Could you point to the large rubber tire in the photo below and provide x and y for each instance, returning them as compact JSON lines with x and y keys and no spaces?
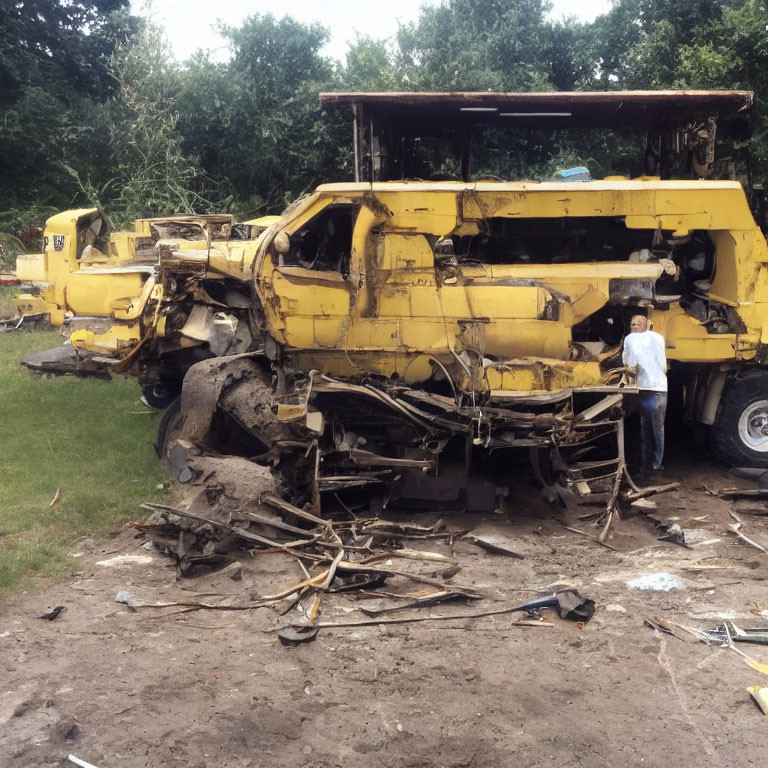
{"x":159,"y":396}
{"x":168,"y":429}
{"x":739,"y":435}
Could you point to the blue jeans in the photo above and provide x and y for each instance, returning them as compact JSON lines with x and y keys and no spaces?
{"x":653,"y":409}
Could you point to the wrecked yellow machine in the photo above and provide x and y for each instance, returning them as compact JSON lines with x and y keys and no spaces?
{"x":86,"y":270}
{"x":93,"y":280}
{"x":393,"y":330}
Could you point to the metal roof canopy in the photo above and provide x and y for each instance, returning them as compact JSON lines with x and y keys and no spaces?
{"x":387,"y":124}
{"x":591,"y":109}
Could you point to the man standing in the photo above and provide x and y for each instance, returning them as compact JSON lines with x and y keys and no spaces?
{"x":644,"y":350}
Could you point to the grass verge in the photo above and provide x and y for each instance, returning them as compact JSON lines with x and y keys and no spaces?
{"x":91,"y":439}
{"x":7,"y":292}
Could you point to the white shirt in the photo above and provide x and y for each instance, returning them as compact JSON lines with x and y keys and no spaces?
{"x":645,"y":349}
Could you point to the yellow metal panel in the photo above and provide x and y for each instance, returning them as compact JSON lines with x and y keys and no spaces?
{"x":523,"y":338}
{"x":725,"y":285}
{"x":30,"y":268}
{"x":93,"y":294}
{"x":404,"y":252}
{"x":117,"y":337}
{"x":430,"y":211}
{"x":687,"y":339}
{"x":310,"y":312}
{"x":27,"y":304}
{"x":542,"y":375}
{"x":304,"y":292}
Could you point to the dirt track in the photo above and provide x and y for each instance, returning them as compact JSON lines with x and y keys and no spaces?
{"x":161,"y":688}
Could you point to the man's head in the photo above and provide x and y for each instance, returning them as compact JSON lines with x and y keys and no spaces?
{"x":638,"y":324}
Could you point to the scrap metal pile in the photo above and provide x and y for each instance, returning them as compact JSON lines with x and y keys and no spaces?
{"x":311,"y":467}
{"x":235,"y":508}
{"x":337,"y":444}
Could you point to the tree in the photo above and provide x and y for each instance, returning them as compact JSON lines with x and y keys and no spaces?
{"x":154,"y":177}
{"x":256,"y":122}
{"x":476,"y":45}
{"x":370,"y":66}
{"x":53,"y":67}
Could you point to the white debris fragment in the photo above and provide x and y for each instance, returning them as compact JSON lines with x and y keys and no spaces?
{"x":125,"y":560}
{"x":614,"y":608}
{"x":656,"y":582}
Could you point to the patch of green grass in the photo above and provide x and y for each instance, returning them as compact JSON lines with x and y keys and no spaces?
{"x":91,"y":439}
{"x":7,"y":292}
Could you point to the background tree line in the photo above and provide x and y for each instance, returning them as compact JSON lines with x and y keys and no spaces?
{"x":93,"y":109}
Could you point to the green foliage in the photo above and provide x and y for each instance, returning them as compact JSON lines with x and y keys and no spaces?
{"x":371,"y":66}
{"x":256,"y":123}
{"x":153,"y":176}
{"x":93,"y":108}
{"x":475,"y":45}
{"x":54,"y":58}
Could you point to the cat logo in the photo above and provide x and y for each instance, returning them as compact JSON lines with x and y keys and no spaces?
{"x":58,"y":242}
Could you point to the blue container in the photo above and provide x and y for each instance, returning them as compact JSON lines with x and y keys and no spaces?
{"x":579,"y":173}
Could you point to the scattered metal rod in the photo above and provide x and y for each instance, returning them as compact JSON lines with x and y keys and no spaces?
{"x":373,"y":607}
{"x":568,"y":601}
{"x":586,"y":535}
{"x":651,"y":490}
{"x":279,"y":524}
{"x":195,"y":606}
{"x":348,"y":567}
{"x":658,"y":626}
{"x":736,"y":528}
{"x":735,"y":493}
{"x":275,"y":501}
{"x":489,"y":545}
{"x":415,"y":619}
{"x":78,"y":761}
{"x":247,"y":535}
{"x":411,"y":554}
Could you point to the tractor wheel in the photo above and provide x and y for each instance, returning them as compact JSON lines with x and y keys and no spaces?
{"x":169,"y":429}
{"x":739,"y":435}
{"x":159,"y":396}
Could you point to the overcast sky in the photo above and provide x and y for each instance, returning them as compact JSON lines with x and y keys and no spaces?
{"x":188,"y":23}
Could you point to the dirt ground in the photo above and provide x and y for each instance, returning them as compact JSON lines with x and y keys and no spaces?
{"x":163,"y":688}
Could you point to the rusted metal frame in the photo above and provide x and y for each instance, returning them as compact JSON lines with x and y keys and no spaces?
{"x":609,"y":401}
{"x":280,"y":525}
{"x":276,"y":501}
{"x":586,"y":440}
{"x":703,"y":99}
{"x":589,"y":479}
{"x":587,"y":425}
{"x":332,"y":385}
{"x":332,"y":482}
{"x":316,"y":500}
{"x":612,"y":507}
{"x":369,"y":459}
{"x":349,"y":567}
{"x":356,"y":109}
{"x":288,"y":548}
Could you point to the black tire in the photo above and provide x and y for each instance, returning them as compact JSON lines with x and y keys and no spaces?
{"x":158,"y":395}
{"x":739,"y":436}
{"x":168,"y":429}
